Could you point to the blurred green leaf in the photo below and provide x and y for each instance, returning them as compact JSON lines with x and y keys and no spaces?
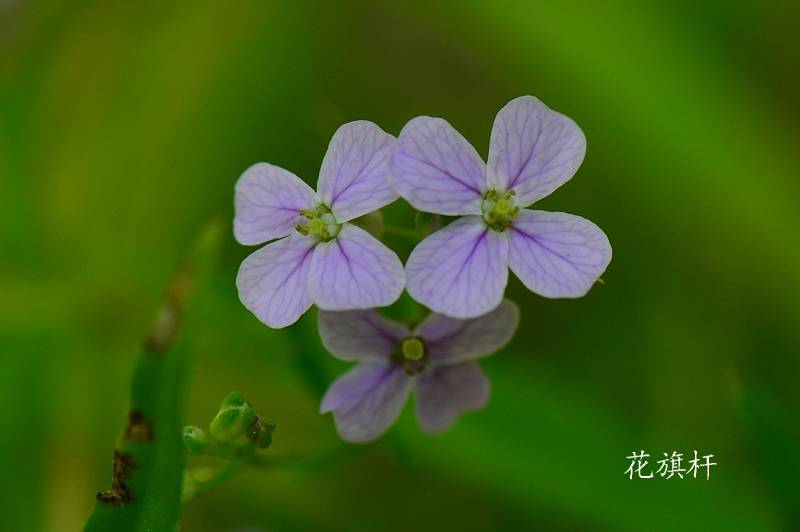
{"x":148,"y":464}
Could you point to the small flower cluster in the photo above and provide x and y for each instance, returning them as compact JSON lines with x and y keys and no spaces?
{"x":317,"y":256}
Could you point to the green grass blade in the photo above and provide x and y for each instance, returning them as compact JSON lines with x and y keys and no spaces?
{"x":145,"y":492}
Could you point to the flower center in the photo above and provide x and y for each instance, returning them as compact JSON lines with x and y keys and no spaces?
{"x":319,"y":223}
{"x":413,"y":349}
{"x":411,"y":355}
{"x":499,"y":210}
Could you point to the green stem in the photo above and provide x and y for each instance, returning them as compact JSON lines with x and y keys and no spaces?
{"x":401,"y":231}
{"x":146,"y":479}
{"x":237,"y":460}
{"x":303,"y":462}
{"x":222,"y":475}
{"x":307,"y":358}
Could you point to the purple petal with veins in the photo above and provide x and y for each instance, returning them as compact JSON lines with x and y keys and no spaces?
{"x":445,"y":392}
{"x":354,"y":179}
{"x":533,"y":150}
{"x":354,"y":271}
{"x":460,"y":270}
{"x":436,"y":170}
{"x":272,"y":281}
{"x":450,"y":340}
{"x":366,"y":400}
{"x":360,"y":334}
{"x":268,"y":200}
{"x":557,"y":254}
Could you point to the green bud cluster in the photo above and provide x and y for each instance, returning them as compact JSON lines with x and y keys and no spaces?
{"x":499,"y":210}
{"x":233,"y":419}
{"x":319,"y":223}
{"x":234,"y":435}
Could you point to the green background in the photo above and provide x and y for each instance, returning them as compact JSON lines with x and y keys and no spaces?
{"x":124,"y":125}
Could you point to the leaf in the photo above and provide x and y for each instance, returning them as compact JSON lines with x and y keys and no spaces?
{"x":145,"y":492}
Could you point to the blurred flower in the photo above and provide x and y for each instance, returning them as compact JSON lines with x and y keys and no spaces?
{"x":324,"y":260}
{"x":462,"y":269}
{"x":436,"y":359}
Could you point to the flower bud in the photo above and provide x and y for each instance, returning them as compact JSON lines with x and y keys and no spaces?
{"x":233,"y":419}
{"x":195,"y":440}
{"x":260,"y":432}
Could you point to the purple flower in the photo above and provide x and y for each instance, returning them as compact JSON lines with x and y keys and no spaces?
{"x":462,"y":269}
{"x":323,"y":260}
{"x":436,"y":359}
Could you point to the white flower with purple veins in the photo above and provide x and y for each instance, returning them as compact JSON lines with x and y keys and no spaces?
{"x":462,"y":269}
{"x":320,"y":258}
{"x":436,"y":359}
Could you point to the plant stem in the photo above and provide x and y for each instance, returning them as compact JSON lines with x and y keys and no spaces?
{"x":145,"y":491}
{"x":222,"y":474}
{"x":401,"y":231}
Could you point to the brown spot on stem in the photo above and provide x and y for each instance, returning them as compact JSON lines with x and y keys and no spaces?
{"x":119,"y":493}
{"x":169,"y":316}
{"x":139,"y":428}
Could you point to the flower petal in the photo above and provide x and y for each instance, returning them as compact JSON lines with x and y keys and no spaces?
{"x":354,"y":178}
{"x":355,"y":271}
{"x":272,"y":281}
{"x":360,"y":334}
{"x":533,"y":150}
{"x":460,"y":270}
{"x":436,"y":170}
{"x":445,"y":392}
{"x":366,"y":400}
{"x":449,"y":340}
{"x":557,"y":254}
{"x":268,"y":200}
